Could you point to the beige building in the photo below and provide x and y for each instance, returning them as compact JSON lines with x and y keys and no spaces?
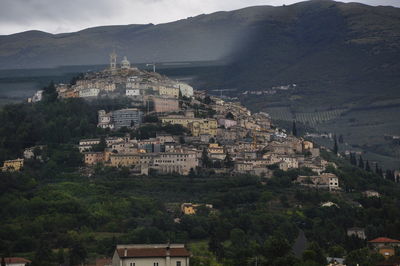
{"x":325,"y":180}
{"x":124,"y":160}
{"x":169,"y":92}
{"x":151,"y":255}
{"x":13,"y":165}
{"x":197,"y":126}
{"x":163,"y":105}
{"x":175,"y":162}
{"x":92,"y":158}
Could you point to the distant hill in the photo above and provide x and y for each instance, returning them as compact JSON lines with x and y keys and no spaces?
{"x":200,"y":38}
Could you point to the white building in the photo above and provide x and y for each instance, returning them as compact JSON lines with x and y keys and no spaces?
{"x":14,"y":261}
{"x":38,"y":96}
{"x":132,"y":92}
{"x":185,"y":89}
{"x":90,"y":92}
{"x":151,"y":255}
{"x":125,"y":64}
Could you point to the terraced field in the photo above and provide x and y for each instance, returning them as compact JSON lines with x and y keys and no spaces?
{"x":309,"y":118}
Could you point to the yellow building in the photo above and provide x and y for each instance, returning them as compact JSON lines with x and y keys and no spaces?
{"x":121,"y":160}
{"x":169,"y":91}
{"x":204,"y":126}
{"x":13,"y":165}
{"x":197,"y":126}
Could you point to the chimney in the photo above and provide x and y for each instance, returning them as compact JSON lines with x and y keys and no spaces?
{"x":126,"y":252}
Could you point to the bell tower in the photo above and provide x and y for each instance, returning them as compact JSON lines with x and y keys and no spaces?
{"x":113,"y":61}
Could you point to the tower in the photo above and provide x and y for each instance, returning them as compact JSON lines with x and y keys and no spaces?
{"x":113,"y":61}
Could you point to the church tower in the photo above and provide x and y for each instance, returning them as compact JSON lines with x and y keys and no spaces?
{"x":113,"y":61}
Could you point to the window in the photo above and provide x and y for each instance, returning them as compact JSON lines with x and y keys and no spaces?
{"x":155,"y":264}
{"x":178,"y":263}
{"x":132,"y":264}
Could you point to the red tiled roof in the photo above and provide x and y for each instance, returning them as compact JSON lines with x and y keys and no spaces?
{"x":153,"y":252}
{"x":104,"y":261}
{"x":16,"y":260}
{"x":384,"y":240}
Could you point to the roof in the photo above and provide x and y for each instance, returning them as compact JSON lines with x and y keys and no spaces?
{"x":143,"y":252}
{"x":384,"y":240}
{"x":16,"y":260}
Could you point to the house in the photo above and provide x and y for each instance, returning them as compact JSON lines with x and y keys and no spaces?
{"x":185,"y":89}
{"x":190,"y":208}
{"x":329,"y":204}
{"x":13,"y":165}
{"x":169,"y":92}
{"x":335,"y":261}
{"x":356,"y":231}
{"x":151,"y":255}
{"x":325,"y":180}
{"x":92,"y":158}
{"x":371,"y":194}
{"x":89,"y":92}
{"x":15,"y":261}
{"x":385,"y":246}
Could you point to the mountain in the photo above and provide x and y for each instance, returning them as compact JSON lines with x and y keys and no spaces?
{"x":200,"y":38}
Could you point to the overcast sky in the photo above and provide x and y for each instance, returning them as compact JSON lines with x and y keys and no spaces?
{"x":57,"y":16}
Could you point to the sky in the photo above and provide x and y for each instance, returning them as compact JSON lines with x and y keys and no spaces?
{"x":57,"y":16}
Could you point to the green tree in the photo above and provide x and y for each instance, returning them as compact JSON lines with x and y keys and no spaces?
{"x":361,"y":162}
{"x":367,"y":167}
{"x":335,"y":145}
{"x":294,"y":129}
{"x":228,"y":161}
{"x":363,"y":257}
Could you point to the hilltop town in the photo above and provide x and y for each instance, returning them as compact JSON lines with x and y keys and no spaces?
{"x":213,"y":134}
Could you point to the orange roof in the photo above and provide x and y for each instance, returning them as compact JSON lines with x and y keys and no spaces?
{"x":16,"y":260}
{"x":152,"y":252}
{"x":104,"y":261}
{"x":384,"y":240}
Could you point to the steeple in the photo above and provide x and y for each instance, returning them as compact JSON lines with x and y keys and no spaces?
{"x":113,"y":61}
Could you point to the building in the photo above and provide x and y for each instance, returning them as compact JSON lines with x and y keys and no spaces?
{"x":226,"y":123}
{"x":170,"y":92}
{"x":371,"y":194}
{"x":15,"y":261}
{"x":356,"y":231}
{"x":175,"y":162}
{"x":87,"y":144}
{"x":92,"y":158}
{"x":124,"y":160}
{"x":104,"y":120}
{"x":89,"y":92}
{"x":185,"y":89}
{"x":126,"y":118}
{"x":132,"y":92}
{"x":125,"y":64}
{"x":190,"y":208}
{"x":203,"y":126}
{"x":37,"y":97}
{"x":151,"y":255}
{"x":325,"y":180}
{"x":163,"y":105}
{"x":13,"y":165}
{"x":385,"y":246}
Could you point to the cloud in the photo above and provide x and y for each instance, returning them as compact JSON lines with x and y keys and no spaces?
{"x":57,"y":16}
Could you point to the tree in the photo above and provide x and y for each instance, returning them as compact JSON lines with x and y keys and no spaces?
{"x":294,"y":129}
{"x":353,"y":159}
{"x":207,"y":100}
{"x":363,"y":257}
{"x":228,"y":162}
{"x":361,"y":162}
{"x":230,"y":116}
{"x":60,"y":256}
{"x":101,"y":146}
{"x":367,"y":167}
{"x":335,"y":146}
{"x":206,"y":162}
